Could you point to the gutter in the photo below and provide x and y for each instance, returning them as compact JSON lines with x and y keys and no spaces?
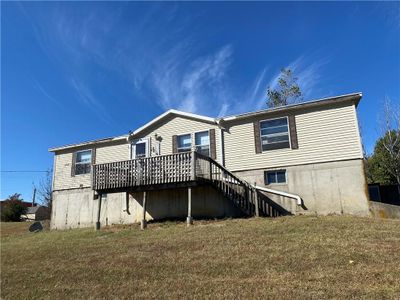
{"x":91,"y":143}
{"x":354,"y":97}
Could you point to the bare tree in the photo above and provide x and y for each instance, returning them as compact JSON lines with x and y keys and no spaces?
{"x":45,"y":189}
{"x":390,"y":130}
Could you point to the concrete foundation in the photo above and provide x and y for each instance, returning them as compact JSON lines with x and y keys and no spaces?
{"x":326,"y":188}
{"x":76,"y":208}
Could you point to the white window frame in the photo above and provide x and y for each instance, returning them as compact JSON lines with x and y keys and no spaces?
{"x":195,"y":145}
{"x":83,"y":163}
{"x":177,"y":143}
{"x":276,"y":177}
{"x":140,"y":141}
{"x":288,"y":127}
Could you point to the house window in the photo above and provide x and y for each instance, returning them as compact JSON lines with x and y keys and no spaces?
{"x":274,"y":134}
{"x":140,"y":150}
{"x":83,"y":162}
{"x":202,"y":142}
{"x":275,"y":177}
{"x":184,"y":143}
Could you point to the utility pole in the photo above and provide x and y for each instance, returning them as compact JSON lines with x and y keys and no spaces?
{"x":33,"y":196}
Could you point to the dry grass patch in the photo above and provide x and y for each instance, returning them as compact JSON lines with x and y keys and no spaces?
{"x":289,"y":257}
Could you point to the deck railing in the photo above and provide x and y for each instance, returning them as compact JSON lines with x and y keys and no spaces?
{"x":177,"y":168}
{"x":144,"y":171}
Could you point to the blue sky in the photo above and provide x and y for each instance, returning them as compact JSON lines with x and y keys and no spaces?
{"x":76,"y":71}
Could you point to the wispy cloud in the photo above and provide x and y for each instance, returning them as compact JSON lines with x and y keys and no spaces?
{"x":196,"y":87}
{"x":155,"y":57}
{"x":309,"y":74}
{"x":256,"y":89}
{"x":307,"y":69}
{"x":86,"y":97}
{"x":40,"y":88}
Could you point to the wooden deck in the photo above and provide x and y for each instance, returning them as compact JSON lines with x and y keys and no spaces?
{"x":174,"y":171}
{"x":149,"y":171}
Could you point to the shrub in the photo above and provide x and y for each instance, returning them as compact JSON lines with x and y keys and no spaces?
{"x":12,"y":209}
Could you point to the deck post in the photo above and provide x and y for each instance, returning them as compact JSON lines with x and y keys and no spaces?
{"x":256,"y":200}
{"x":193,"y":166}
{"x":143,"y":222}
{"x":210,"y":165}
{"x":98,"y":212}
{"x":189,"y":219}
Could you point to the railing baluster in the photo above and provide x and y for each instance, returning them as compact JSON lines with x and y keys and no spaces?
{"x":179,"y":167}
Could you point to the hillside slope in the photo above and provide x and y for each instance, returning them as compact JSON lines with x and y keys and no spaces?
{"x":288,"y":257}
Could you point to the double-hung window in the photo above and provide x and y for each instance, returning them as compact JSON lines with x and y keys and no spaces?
{"x":83,"y":161}
{"x":202,"y":142}
{"x":184,"y":143}
{"x":274,"y":134}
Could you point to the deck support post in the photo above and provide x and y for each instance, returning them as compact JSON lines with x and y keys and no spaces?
{"x":211,"y":174}
{"x":255,"y":198}
{"x":143,"y":222}
{"x":193,"y":166}
{"x":98,"y":212}
{"x":189,"y":219}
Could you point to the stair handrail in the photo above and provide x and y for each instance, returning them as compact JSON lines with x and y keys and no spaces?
{"x":298,"y":199}
{"x":242,"y":181}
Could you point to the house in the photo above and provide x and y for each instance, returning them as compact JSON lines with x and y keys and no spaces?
{"x":36,"y":213}
{"x":298,"y":159}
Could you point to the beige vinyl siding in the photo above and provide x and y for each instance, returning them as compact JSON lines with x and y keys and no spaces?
{"x":120,"y":150}
{"x":62,"y":175}
{"x":112,"y":152}
{"x":323,"y":135}
{"x":179,"y":125}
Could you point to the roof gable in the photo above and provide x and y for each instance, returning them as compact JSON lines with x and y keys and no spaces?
{"x":173,"y":112}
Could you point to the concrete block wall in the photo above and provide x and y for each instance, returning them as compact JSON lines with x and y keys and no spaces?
{"x":77,"y":209}
{"x":326,"y":188}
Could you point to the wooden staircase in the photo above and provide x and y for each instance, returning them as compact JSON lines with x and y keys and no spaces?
{"x":245,"y":196}
{"x":183,"y":170}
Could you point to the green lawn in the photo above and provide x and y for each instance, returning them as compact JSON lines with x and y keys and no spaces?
{"x":288,"y":257}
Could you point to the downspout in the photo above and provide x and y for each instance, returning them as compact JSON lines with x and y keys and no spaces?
{"x":222,"y":144}
{"x":222,"y":147}
{"x":280,"y":193}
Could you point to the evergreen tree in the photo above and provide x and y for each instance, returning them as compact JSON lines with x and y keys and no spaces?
{"x":288,"y":91}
